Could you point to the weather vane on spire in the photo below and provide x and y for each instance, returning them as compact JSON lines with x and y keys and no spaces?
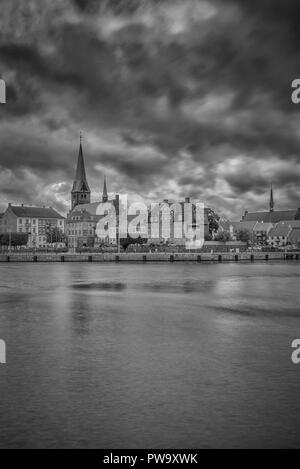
{"x":80,"y":137}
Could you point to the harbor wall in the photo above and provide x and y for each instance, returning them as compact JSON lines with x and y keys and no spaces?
{"x":150,"y":257}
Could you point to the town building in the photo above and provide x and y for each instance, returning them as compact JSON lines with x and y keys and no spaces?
{"x":261,"y":232}
{"x":294,"y":237}
{"x":285,"y":233}
{"x":33,"y":221}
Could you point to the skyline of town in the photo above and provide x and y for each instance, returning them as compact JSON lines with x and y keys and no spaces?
{"x":64,"y":208}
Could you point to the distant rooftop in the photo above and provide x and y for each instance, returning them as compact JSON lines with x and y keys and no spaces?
{"x":270,"y":217}
{"x":280,"y":230}
{"x":34,"y":212}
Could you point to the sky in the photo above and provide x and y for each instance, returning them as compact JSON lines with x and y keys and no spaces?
{"x":174,"y":99}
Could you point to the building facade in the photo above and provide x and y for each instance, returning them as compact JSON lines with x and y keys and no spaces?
{"x":33,"y":221}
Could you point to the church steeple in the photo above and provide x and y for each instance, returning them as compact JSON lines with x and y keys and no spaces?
{"x":81,"y":193}
{"x":271,"y":199}
{"x":104,"y":195}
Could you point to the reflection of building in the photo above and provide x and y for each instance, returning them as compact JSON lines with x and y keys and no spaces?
{"x":34,"y":221}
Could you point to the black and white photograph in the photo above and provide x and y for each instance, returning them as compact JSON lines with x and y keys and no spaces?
{"x":149,"y":227}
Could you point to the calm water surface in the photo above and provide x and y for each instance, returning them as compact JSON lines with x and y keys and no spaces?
{"x":144,"y":356}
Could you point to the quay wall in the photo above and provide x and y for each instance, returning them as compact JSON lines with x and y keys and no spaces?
{"x":150,"y":257}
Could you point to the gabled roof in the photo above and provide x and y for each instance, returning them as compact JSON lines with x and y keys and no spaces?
{"x":90,"y":208}
{"x":281,"y":229}
{"x":84,"y":215}
{"x":34,"y":212}
{"x":261,"y":226}
{"x":294,"y":236}
{"x":244,"y":225}
{"x":292,"y":223}
{"x":270,"y":217}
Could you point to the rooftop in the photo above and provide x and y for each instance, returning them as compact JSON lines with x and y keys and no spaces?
{"x":34,"y":212}
{"x":271,"y":217}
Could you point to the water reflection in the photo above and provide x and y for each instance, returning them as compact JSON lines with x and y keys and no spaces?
{"x":149,"y":355}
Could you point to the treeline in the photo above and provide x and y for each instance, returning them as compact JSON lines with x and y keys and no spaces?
{"x":13,"y":239}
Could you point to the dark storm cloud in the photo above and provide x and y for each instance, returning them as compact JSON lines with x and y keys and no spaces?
{"x":174,"y":97}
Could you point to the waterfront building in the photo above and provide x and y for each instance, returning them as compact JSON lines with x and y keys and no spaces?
{"x":261,"y":232}
{"x":284,"y":233}
{"x":33,"y":221}
{"x":294,"y":237}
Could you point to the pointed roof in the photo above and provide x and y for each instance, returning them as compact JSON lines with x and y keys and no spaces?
{"x":104,"y":195}
{"x":271,"y":200}
{"x":80,"y":183}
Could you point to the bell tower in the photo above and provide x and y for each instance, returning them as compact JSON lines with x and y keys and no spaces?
{"x":81,"y":193}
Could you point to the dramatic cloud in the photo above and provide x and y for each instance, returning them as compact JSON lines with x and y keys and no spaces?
{"x":175,"y":98}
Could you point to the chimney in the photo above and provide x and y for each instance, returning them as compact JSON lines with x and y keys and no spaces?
{"x":187,"y":200}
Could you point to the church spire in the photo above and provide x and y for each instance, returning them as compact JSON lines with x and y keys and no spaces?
{"x":271,"y":199}
{"x":104,"y":195}
{"x":80,"y":193}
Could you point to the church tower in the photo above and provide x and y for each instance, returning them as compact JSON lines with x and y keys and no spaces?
{"x":81,"y":193}
{"x":104,"y":194}
{"x":271,"y":200}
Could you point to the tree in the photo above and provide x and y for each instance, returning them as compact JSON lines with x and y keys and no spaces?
{"x":213,"y":220}
{"x":125,"y":242}
{"x":243,"y":235}
{"x":223,"y":236}
{"x":54,"y":235}
{"x":13,"y":239}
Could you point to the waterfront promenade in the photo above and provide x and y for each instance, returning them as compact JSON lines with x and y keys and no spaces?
{"x":151,"y":257}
